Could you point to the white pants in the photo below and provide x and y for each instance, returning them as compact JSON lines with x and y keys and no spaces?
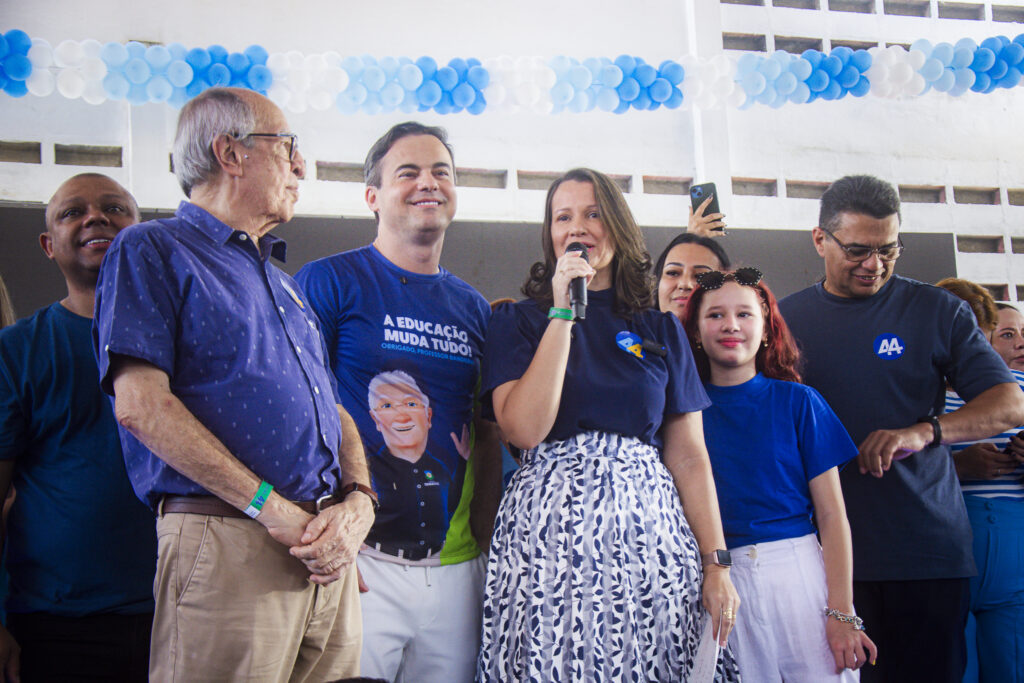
{"x":421,"y":624}
{"x":780,"y":626}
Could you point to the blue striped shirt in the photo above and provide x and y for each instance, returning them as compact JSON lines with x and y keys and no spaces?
{"x":1010,"y":484}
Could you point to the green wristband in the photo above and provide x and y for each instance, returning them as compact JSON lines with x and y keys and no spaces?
{"x":256,"y":504}
{"x":561,"y":313}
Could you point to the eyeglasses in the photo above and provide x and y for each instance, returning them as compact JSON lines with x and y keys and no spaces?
{"x":858,"y":253}
{"x":293,"y":141}
{"x":713,"y":279}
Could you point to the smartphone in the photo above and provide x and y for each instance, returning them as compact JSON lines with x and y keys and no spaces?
{"x":698,"y":193}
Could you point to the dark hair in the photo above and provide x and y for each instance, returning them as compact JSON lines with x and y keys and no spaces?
{"x":776,"y":359}
{"x":864,"y":194}
{"x":371,"y":167}
{"x":708,"y":243}
{"x":980,"y":300}
{"x":631,"y":265}
{"x":1006,"y":307}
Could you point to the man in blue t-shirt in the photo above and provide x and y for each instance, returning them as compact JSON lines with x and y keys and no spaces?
{"x":81,"y":548}
{"x":880,"y":349}
{"x":405,"y":338}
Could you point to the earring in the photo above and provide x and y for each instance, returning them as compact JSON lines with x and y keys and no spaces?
{"x":245,"y":156}
{"x":696,"y":342}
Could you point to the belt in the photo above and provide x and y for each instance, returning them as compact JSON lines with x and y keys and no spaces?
{"x":404,"y":551}
{"x":212,"y":505}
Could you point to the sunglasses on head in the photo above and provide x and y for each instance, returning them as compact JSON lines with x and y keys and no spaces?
{"x":713,"y":279}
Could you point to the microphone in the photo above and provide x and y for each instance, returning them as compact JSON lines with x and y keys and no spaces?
{"x":578,"y":285}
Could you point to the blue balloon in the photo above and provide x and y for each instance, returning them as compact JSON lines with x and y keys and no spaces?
{"x":993,"y":44}
{"x":18,"y":43}
{"x":158,"y":57}
{"x":580,"y":102}
{"x":179,"y":73}
{"x":218,"y":53}
{"x":445,"y":105}
{"x":922,"y":45}
{"x":579,"y":77}
{"x":946,"y":81}
{"x":645,"y":75}
{"x":983,"y":60}
{"x":257,"y":54}
{"x":218,"y":75}
{"x":137,"y":94}
{"x":981,"y":82}
{"x":1012,"y":54}
{"x":832,"y":65}
{"x":611,"y":76}
{"x":238,"y":63}
{"x":964,"y":78}
{"x":660,"y":90}
{"x":354,"y":95}
{"x":199,"y":59}
{"x":770,"y":69}
{"x":159,"y":89}
{"x":560,"y":65}
{"x":16,"y":88}
{"x":137,"y":71}
{"x":429,"y":94}
{"x":115,"y":86}
{"x":5,"y":48}
{"x":178,"y":98}
{"x":1011,"y":79}
{"x":843,"y":53}
{"x":998,"y":70}
{"x":1019,"y":39}
{"x":17,"y":66}
{"x":479,"y":104}
{"x":353,"y":66}
{"x":114,"y":55}
{"x":460,"y":66}
{"x":753,"y":83}
{"x":478,"y":77}
{"x":766,"y":96}
{"x":931,"y":70}
{"x":675,"y":100}
{"x":626,"y":63}
{"x":409,"y":103}
{"x":833,"y":92}
{"x":447,"y":78}
{"x":748,"y":61}
{"x":962,"y":58}
{"x":390,"y":66}
{"x":944,"y":53}
{"x":607,"y":99}
{"x":622,"y":108}
{"x":3,"y":78}
{"x":463,"y":95}
{"x":197,"y":86}
{"x":849,"y":76}
{"x":801,"y":94}
{"x":391,"y":95}
{"x":368,"y":60}
{"x":178,"y":52}
{"x":259,"y":77}
{"x":862,"y":60}
{"x":814,"y":57}
{"x":801,"y":68}
{"x":641,"y":102}
{"x":136,"y":50}
{"x":594,"y":66}
{"x":673,"y":72}
{"x":410,"y":77}
{"x":862,"y":87}
{"x":628,"y":89}
{"x":428,"y":67}
{"x":785,"y":83}
{"x":562,"y":93}
{"x":818,"y":81}
{"x":372,"y":104}
{"x":374,"y":78}
{"x":965,"y":43}
{"x":653,"y":105}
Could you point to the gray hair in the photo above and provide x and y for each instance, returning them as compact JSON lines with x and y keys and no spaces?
{"x":204,"y":118}
{"x":393,"y":377}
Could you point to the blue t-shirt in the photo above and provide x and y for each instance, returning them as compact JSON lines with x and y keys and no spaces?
{"x":606,"y":388}
{"x":767,"y":439}
{"x":79,"y":541}
{"x":241,"y":348}
{"x":881,"y":362}
{"x":406,"y":329}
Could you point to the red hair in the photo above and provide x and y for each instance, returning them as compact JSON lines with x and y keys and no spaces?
{"x":777,"y":359}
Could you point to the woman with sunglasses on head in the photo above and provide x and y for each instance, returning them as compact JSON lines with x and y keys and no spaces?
{"x":775,"y":447}
{"x":594,"y":572}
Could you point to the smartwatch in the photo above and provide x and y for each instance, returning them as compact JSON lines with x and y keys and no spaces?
{"x":720,"y":557}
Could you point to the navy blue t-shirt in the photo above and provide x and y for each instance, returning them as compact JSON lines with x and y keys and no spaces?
{"x":767,"y":440}
{"x":606,"y":388}
{"x":79,"y":541}
{"x":882,"y":362}
{"x":405,"y":349}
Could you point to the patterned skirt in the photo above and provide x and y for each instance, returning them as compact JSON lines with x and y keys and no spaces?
{"x":594,"y":574}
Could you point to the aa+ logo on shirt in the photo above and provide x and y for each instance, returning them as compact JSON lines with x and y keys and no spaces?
{"x":889,"y":346}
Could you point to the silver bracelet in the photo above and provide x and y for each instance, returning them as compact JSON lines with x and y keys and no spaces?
{"x":852,"y":619}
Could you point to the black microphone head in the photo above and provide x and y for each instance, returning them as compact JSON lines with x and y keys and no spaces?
{"x":580,"y":247}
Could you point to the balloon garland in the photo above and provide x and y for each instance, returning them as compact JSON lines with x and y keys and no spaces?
{"x":137,"y":73}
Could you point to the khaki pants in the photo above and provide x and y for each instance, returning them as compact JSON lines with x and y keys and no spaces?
{"x":233,"y":605}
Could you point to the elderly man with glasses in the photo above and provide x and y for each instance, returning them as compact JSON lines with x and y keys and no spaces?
{"x":880,"y":348}
{"x":229,"y":417}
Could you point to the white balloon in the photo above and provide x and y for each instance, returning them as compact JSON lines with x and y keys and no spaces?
{"x":916,"y":85}
{"x":901,"y":73}
{"x":70,"y":83}
{"x":692,"y":88}
{"x":278,"y":63}
{"x":42,"y":41}
{"x":296,"y":60}
{"x":736,"y":97}
{"x":40,"y":82}
{"x":706,"y":100}
{"x":41,"y":56}
{"x":523,"y":65}
{"x":279,"y":94}
{"x":93,"y":69}
{"x":94,"y":93}
{"x":68,"y":53}
{"x":91,"y":48}
{"x":723,"y":87}
{"x":297,"y":103}
{"x":544,"y":106}
{"x":316,"y":63}
{"x":332,"y":58}
{"x":299,"y":80}
{"x":546,"y":77}
{"x":495,"y":94}
{"x":881,"y":89}
{"x":527,"y":94}
{"x":507,"y":63}
{"x":722,"y":64}
{"x":916,"y":59}
{"x":492,"y":64}
{"x":335,"y":79}
{"x":319,"y":99}
{"x":878,"y":73}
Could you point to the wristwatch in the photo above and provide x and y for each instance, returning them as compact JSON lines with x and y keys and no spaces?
{"x":344,"y":491}
{"x":936,"y":429}
{"x":720,"y":557}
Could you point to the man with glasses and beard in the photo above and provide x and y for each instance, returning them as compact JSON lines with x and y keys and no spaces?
{"x":879,"y":348}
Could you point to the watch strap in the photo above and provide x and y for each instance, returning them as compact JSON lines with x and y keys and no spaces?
{"x":345,"y":490}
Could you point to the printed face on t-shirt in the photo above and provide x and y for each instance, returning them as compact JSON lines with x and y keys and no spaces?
{"x":403,"y":419}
